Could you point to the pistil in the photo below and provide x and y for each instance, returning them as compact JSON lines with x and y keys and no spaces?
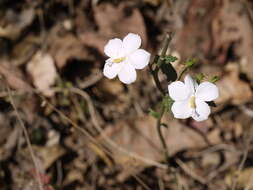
{"x":192,"y":102}
{"x":118,"y":60}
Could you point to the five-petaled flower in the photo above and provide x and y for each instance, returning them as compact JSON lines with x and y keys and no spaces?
{"x":190,"y":98}
{"x":125,"y":57}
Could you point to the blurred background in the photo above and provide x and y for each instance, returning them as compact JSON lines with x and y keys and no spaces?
{"x":63,"y":125}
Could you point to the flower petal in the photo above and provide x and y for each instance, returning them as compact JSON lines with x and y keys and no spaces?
{"x":202,"y":111}
{"x":112,"y":69}
{"x":181,"y":109}
{"x":131,"y":43}
{"x":127,"y":74}
{"x":190,"y":83}
{"x":178,"y":91}
{"x":207,"y":91}
{"x":139,"y":58}
{"x":113,"y":48}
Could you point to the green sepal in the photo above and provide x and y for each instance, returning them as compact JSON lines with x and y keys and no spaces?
{"x":214,"y":79}
{"x":190,"y":62}
{"x":154,"y":113}
{"x":199,"y":77}
{"x":211,"y":103}
{"x":167,"y":103}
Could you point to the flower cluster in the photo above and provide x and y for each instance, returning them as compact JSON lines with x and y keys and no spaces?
{"x":190,"y":98}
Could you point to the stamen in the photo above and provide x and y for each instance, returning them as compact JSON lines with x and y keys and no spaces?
{"x":118,"y":60}
{"x":192,"y":102}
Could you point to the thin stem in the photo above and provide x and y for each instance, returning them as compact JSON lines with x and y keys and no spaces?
{"x":29,"y":144}
{"x":158,"y":61}
{"x":156,"y":79}
{"x":167,"y":40}
{"x":181,"y":74}
{"x":161,"y":137}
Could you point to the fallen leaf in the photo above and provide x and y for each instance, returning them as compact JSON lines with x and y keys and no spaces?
{"x":192,"y":33}
{"x":140,"y":136}
{"x":49,"y":154}
{"x":13,"y":76}
{"x":124,"y":19}
{"x":65,"y":48}
{"x":12,"y":24}
{"x":232,"y":27}
{"x":231,"y":87}
{"x":152,"y":2}
{"x":43,"y":72}
{"x":244,"y":179}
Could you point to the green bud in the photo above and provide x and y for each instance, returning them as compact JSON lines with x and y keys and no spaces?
{"x":154,"y":113}
{"x":214,"y":79}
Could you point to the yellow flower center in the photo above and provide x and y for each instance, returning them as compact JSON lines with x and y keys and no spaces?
{"x":192,"y":102}
{"x":118,"y":60}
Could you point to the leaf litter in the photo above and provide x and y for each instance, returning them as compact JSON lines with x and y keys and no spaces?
{"x":41,"y":41}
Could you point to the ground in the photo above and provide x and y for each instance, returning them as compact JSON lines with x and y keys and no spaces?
{"x":66,"y":126}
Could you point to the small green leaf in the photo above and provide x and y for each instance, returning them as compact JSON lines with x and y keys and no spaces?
{"x":170,"y":59}
{"x":154,"y":113}
{"x":199,"y":77}
{"x":190,"y":62}
{"x":169,"y":71}
{"x":214,"y":79}
{"x":212,"y":104}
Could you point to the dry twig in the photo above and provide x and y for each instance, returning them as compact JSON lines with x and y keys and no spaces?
{"x":37,"y":170}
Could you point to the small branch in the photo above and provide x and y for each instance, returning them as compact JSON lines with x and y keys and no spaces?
{"x":37,"y":170}
{"x":191,"y":173}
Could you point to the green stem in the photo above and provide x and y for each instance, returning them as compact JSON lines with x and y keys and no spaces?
{"x":167,"y":40}
{"x":156,"y":79}
{"x":154,"y":71}
{"x":161,"y":137}
{"x":181,"y":74}
{"x":158,"y":62}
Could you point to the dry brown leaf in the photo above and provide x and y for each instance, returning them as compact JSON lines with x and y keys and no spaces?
{"x":43,"y":72}
{"x":49,"y":154}
{"x":14,"y":23}
{"x":73,"y":175}
{"x":233,"y":25}
{"x":114,"y":22}
{"x":64,"y":48}
{"x":13,"y":76}
{"x":244,"y":178}
{"x":232,"y":88}
{"x":140,"y":136}
{"x":152,"y":2}
{"x":194,"y":40}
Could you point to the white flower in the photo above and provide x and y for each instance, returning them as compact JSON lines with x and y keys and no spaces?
{"x":125,"y":57}
{"x":190,"y":98}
